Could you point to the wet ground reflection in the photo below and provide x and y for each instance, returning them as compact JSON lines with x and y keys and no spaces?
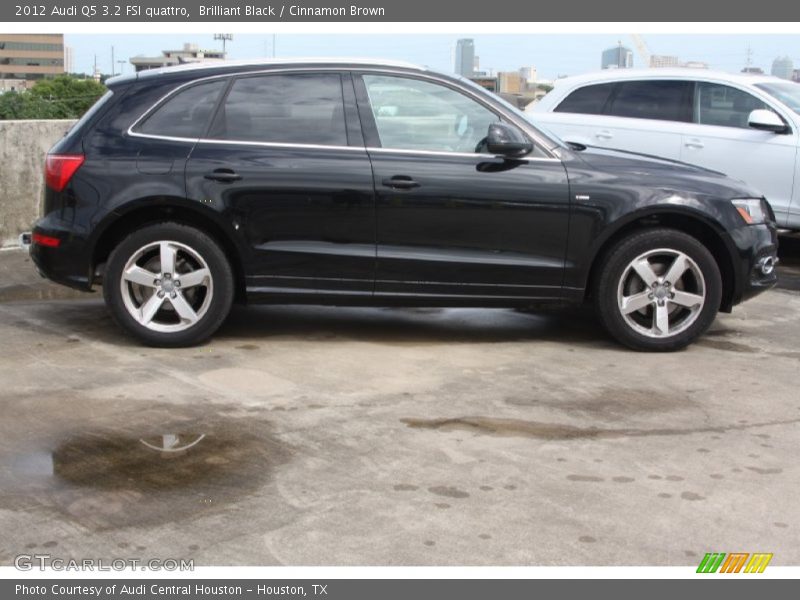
{"x":132,"y":476}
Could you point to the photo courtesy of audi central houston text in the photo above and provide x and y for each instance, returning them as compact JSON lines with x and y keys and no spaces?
{"x":187,"y":189}
{"x":487,"y":304}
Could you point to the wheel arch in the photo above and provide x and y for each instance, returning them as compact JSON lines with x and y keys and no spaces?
{"x":148,"y":211}
{"x":690,"y":222}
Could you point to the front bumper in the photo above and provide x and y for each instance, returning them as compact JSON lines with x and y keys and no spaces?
{"x":755,"y":254}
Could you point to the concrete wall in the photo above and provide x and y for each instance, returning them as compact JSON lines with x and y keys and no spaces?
{"x":23,"y":145}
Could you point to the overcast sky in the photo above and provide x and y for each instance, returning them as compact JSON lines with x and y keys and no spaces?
{"x":553,"y":55}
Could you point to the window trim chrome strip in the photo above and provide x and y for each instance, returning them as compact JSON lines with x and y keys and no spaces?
{"x":521,"y":123}
{"x":288,"y":145}
{"x":363,"y":149}
{"x":460,"y":154}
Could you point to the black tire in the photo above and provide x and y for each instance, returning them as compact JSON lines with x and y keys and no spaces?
{"x":215,"y":295}
{"x":615,"y":265}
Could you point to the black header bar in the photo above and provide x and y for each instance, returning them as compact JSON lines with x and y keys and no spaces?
{"x":476,"y":11}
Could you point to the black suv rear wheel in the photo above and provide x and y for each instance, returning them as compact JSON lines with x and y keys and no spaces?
{"x":658,"y":290}
{"x":169,"y":285}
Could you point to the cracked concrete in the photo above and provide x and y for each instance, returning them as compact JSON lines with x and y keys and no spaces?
{"x":343,"y":436}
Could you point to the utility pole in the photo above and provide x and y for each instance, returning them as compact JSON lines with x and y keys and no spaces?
{"x":225,"y":37}
{"x":748,"y":58}
{"x":274,"y":42}
{"x":113,"y":67}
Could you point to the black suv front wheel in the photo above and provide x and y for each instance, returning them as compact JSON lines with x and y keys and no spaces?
{"x":169,"y":285}
{"x":658,"y":290}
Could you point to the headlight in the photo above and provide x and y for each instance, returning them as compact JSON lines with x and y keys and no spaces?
{"x":752,"y":210}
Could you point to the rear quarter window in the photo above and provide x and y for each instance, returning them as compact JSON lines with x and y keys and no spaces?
{"x":186,"y":113}
{"x":588,"y":100}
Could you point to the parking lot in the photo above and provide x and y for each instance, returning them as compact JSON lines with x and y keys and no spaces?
{"x":344,"y":436}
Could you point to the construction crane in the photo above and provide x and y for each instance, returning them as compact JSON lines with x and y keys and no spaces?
{"x":641,"y":48}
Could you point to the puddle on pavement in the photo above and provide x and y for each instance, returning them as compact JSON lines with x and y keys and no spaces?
{"x":606,"y":402}
{"x":559,"y":431}
{"x":142,"y":474}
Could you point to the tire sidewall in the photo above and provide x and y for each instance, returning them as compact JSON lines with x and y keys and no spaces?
{"x":201,"y":243}
{"x":615,"y":265}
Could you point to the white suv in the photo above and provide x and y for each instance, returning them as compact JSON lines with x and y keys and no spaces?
{"x":746,"y":126}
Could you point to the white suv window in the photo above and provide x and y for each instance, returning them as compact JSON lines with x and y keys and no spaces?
{"x":664,"y":100}
{"x":723,"y":105}
{"x":588,"y":100}
{"x":411,"y":114}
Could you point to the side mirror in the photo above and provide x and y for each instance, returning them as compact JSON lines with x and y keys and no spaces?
{"x":766,"y":120}
{"x":506,"y":140}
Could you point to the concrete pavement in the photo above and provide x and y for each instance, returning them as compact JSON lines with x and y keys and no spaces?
{"x":343,"y":436}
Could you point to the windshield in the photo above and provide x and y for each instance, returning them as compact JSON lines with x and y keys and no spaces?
{"x":788,"y":93}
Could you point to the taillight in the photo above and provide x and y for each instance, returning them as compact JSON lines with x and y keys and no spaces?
{"x":59,"y":169}
{"x":45,"y":240}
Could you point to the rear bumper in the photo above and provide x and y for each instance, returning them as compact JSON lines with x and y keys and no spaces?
{"x":68,"y":264}
{"x":755,"y":253}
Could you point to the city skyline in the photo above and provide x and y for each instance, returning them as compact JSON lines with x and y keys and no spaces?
{"x":553,"y":55}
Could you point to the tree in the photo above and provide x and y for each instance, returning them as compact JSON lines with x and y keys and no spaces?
{"x":63,"y":97}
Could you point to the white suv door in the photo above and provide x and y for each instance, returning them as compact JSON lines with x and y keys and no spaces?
{"x":721,"y":139}
{"x":644,"y":116}
{"x":634,"y":115}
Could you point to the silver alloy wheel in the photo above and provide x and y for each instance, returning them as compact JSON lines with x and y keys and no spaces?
{"x":661,"y":293}
{"x":166,"y":286}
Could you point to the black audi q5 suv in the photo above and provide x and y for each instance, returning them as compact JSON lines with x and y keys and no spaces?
{"x":362,"y":183}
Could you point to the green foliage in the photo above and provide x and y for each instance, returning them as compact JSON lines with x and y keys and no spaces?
{"x":64,"y":97}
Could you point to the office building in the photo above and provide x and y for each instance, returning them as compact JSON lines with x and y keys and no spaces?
{"x":618,"y":57}
{"x":528,"y":75}
{"x":510,"y":82}
{"x":69,"y":59}
{"x":465,"y":57}
{"x":489,"y":83}
{"x":190,"y":53}
{"x":664,"y":61}
{"x":26,"y":58}
{"x":782,"y":67}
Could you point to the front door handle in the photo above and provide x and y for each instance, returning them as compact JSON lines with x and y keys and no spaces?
{"x":400,"y":182}
{"x":223,"y":175}
{"x":694,"y":143}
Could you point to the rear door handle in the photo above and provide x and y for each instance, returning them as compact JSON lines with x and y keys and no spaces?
{"x":694,"y":143}
{"x":604,"y":135}
{"x":400,"y":182}
{"x":223,"y":175}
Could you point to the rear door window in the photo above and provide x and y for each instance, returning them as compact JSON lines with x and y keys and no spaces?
{"x":186,"y":113}
{"x":297,"y":108}
{"x":588,"y":100}
{"x":664,"y":100}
